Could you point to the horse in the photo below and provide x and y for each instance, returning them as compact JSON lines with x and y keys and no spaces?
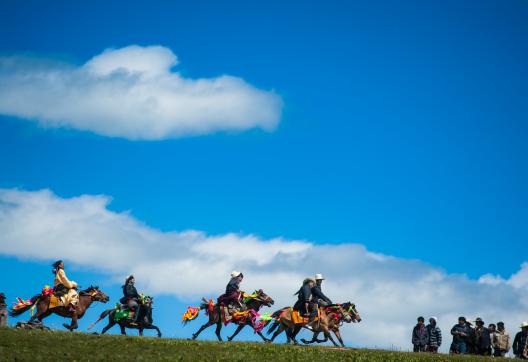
{"x":42,"y":303}
{"x":144,"y":319}
{"x":255,"y":302}
{"x":283,"y":322}
{"x":349,"y":315}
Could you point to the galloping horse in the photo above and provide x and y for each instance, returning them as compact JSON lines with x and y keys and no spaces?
{"x":42,"y":302}
{"x":144,"y":319}
{"x":254,"y":303}
{"x":325,"y":322}
{"x":349,"y":315}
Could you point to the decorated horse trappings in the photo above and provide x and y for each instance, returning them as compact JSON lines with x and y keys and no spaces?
{"x":48,"y":302}
{"x":125,"y":318}
{"x":220,"y":314}
{"x":328,"y":319}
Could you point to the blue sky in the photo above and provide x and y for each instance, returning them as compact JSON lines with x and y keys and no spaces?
{"x":403,"y":128}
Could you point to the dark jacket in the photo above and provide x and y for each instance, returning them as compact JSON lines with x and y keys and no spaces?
{"x":233,"y":285}
{"x":304,"y":295}
{"x":317,"y":294}
{"x":519,"y":343}
{"x":482,"y":339}
{"x":129,"y":292}
{"x":420,"y":337}
{"x":461,"y":333}
{"x":435,"y":336}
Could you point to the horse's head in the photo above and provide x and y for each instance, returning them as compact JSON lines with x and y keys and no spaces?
{"x":261,"y":298}
{"x":147,"y":300}
{"x":96,"y":294}
{"x":350,"y":313}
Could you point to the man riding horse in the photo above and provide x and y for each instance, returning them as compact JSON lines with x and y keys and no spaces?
{"x":317,"y":294}
{"x":233,"y":294}
{"x":64,"y":288}
{"x":131,"y":297}
{"x":305,"y":305}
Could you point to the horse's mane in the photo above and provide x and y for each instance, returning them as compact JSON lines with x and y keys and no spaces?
{"x":87,"y":291}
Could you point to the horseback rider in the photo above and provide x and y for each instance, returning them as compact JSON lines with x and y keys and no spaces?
{"x":233,"y":294}
{"x":304,"y":305}
{"x":131,"y":297}
{"x":64,"y":288}
{"x":317,"y":294}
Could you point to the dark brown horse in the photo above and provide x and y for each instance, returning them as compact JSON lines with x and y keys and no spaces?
{"x":144,"y":319}
{"x":86,"y":298}
{"x":254,"y":303}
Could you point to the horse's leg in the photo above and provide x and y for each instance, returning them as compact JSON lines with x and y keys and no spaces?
{"x":338,"y":335}
{"x":110,"y":324}
{"x":140,"y":331}
{"x":41,"y":312}
{"x":277,"y":332}
{"x":151,"y":326}
{"x":123,"y":331}
{"x":313,"y":340}
{"x":239,"y":328}
{"x":329,"y":336}
{"x":218,"y":329}
{"x":73,"y":325}
{"x":296,"y":330}
{"x":263,"y":337}
{"x":206,"y":325}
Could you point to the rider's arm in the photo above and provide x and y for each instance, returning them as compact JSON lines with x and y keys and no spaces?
{"x":63,"y":279}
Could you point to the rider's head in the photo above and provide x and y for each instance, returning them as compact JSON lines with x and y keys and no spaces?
{"x":59,"y":264}
{"x":130,"y":280}
{"x":237,"y":274}
{"x":319,"y":279}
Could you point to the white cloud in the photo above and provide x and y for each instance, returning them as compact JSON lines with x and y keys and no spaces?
{"x":389,"y":292}
{"x":132,"y":93}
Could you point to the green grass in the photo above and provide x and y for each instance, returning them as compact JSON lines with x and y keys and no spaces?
{"x":19,"y":345}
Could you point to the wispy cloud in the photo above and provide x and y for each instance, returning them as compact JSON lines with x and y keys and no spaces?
{"x":132,"y":93}
{"x":390,"y":292}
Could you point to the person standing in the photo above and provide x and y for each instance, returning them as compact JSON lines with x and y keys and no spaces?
{"x":461,"y":333}
{"x":520,"y":343}
{"x":420,"y":336}
{"x":482,"y":338}
{"x":435,"y":335}
{"x":501,"y":341}
{"x":3,"y":311}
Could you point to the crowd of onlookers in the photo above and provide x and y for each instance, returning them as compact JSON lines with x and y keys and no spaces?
{"x":478,"y":339}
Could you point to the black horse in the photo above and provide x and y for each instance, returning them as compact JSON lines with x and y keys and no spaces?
{"x":143,"y":321}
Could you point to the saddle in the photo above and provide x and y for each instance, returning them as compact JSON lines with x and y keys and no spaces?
{"x":299,"y":319}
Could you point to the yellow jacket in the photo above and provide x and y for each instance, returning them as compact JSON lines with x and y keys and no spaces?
{"x":61,"y":278}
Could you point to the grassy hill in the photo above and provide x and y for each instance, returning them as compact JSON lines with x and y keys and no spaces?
{"x":19,"y":345}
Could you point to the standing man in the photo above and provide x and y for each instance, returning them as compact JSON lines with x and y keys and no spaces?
{"x":317,"y":293}
{"x":435,"y":335}
{"x":420,"y":336}
{"x":461,"y":333}
{"x":3,"y":311}
{"x":501,"y":341}
{"x":482,"y":338}
{"x":520,"y":343}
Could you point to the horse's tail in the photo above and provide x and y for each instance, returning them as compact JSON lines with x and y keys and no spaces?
{"x":23,"y":306}
{"x":191,"y":314}
{"x":101,"y":317}
{"x":276,"y":322}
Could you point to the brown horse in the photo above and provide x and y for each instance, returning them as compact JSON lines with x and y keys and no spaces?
{"x":254,"y":303}
{"x":325,"y":322}
{"x":86,"y":298}
{"x":349,"y":315}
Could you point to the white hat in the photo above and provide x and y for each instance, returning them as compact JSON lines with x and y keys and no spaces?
{"x":524,"y":324}
{"x":235,"y":273}
{"x":319,"y":277}
{"x":435,"y":319}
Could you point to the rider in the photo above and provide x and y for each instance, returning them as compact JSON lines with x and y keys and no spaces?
{"x":317,"y":294}
{"x":64,"y":287}
{"x":304,"y":304}
{"x":232,"y":294}
{"x":131,"y":297}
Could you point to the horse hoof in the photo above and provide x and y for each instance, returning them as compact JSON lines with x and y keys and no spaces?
{"x":304,"y":341}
